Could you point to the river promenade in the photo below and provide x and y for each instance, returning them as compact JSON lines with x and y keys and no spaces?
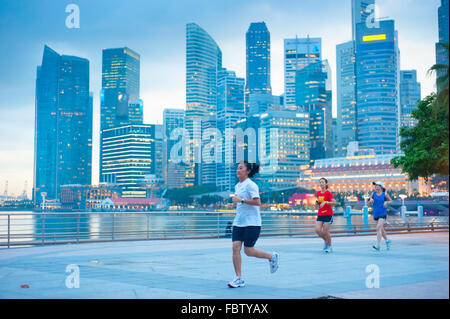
{"x":417,"y":266}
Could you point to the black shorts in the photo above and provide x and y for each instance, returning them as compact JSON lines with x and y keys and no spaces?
{"x":249,"y":234}
{"x":327,"y":219}
{"x":383,"y":217}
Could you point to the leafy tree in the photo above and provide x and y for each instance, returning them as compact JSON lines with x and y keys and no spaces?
{"x":426,"y":144}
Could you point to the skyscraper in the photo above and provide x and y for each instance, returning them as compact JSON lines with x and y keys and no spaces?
{"x":174,"y":173}
{"x":313,"y":98}
{"x":230,"y":109}
{"x":120,"y":86}
{"x":298,"y":53}
{"x":258,"y":60}
{"x":441,"y":54}
{"x":129,"y":154}
{"x":63,"y":124}
{"x":409,"y":96}
{"x":203,"y":60}
{"x":119,"y":100}
{"x":377,"y":87}
{"x":346,"y":99}
{"x":361,"y":10}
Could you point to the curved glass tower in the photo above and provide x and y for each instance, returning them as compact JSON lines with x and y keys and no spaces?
{"x":203,"y":61}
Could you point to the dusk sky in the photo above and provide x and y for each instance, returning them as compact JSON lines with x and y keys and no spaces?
{"x":156,"y":30}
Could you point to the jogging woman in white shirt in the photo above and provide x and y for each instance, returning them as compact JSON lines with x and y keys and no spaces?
{"x":247,"y":223}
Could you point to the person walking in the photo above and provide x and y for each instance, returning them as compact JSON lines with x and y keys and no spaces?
{"x":247,"y":222}
{"x":379,"y":200}
{"x":324,"y":220}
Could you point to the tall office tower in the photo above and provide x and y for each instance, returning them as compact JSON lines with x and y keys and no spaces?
{"x":286,"y":142}
{"x":298,"y":53}
{"x":203,"y":60}
{"x":174,"y":170}
{"x":230,"y":109}
{"x":312,"y":97}
{"x":409,"y":96}
{"x":441,"y":54}
{"x":377,"y":87}
{"x":258,"y":60}
{"x":120,"y":86}
{"x":119,"y":101}
{"x":361,"y":11}
{"x":63,"y":124}
{"x":129,"y":154}
{"x":346,"y":99}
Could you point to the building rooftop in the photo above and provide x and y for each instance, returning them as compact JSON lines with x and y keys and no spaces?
{"x":417,"y":266}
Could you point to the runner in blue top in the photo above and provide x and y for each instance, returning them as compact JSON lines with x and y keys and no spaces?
{"x":379,"y":200}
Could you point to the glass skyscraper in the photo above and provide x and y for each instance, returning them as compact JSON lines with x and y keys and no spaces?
{"x":120,"y":86}
{"x":289,"y":146}
{"x":129,"y":154}
{"x":313,"y":97}
{"x":298,"y":53}
{"x":377,"y":87}
{"x":258,"y":60}
{"x":230,"y":110}
{"x":346,"y":99}
{"x":174,"y":173}
{"x":409,"y":96}
{"x":360,"y":13}
{"x":119,"y":98}
{"x":346,"y":77}
{"x":203,"y":61}
{"x":63,"y":124}
{"x":441,"y":54}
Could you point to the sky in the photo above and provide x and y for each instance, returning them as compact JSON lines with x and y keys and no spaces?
{"x":156,"y":30}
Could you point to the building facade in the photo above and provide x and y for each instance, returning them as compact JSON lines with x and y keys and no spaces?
{"x":409,"y":96}
{"x":258,"y":60}
{"x":174,"y":172}
{"x":129,"y":154}
{"x":63,"y":124}
{"x":298,"y":53}
{"x":377,"y":87}
{"x":203,"y":61}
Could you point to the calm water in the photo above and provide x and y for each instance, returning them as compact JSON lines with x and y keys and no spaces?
{"x":33,"y":227}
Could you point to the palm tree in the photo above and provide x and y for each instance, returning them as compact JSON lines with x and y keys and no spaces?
{"x":440,"y":105}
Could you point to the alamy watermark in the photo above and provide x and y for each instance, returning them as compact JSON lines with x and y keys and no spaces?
{"x":73,"y":19}
{"x":373,"y":279}
{"x":73,"y":279}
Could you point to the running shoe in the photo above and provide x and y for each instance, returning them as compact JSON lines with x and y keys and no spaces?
{"x":274,"y":262}
{"x":376,"y":247}
{"x":329,"y":249}
{"x":325,"y":245}
{"x":388,"y":244}
{"x":236,"y":283}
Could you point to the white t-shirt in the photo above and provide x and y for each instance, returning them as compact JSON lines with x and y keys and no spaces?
{"x":247,"y":215}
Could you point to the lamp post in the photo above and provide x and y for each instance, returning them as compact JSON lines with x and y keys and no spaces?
{"x":403,"y":208}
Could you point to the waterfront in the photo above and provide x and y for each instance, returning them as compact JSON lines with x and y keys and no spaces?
{"x":32,"y":227}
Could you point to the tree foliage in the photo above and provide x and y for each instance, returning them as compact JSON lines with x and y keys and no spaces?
{"x":425,"y":145}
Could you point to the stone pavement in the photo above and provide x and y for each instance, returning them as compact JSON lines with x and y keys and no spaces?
{"x":417,"y":266}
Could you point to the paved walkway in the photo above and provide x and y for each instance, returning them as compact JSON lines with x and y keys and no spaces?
{"x":417,"y":266}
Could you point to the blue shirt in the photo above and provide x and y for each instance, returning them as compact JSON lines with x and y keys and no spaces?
{"x":378,"y":205}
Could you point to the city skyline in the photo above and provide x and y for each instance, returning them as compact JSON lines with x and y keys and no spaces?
{"x":153,"y":106}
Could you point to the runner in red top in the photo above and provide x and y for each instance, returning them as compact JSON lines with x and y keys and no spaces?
{"x":325,"y":201}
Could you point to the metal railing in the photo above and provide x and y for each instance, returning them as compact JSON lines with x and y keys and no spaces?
{"x":23,"y":229}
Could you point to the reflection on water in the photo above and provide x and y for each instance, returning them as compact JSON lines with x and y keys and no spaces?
{"x":106,"y":226}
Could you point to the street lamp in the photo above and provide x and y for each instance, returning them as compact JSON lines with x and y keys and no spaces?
{"x":403,"y":197}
